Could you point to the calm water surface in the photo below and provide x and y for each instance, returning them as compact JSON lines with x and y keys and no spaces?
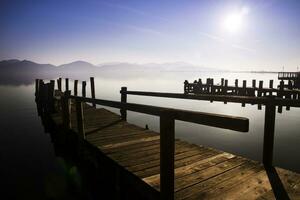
{"x":31,"y":168}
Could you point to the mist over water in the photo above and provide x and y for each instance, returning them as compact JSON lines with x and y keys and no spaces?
{"x":29,"y":155}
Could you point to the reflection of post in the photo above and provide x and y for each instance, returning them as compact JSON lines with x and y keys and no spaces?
{"x":269,"y":134}
{"x":93,"y":89}
{"x":167,"y":149}
{"x":123,"y":101}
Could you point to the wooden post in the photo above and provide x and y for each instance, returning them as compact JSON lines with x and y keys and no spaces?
{"x":80,"y":119}
{"x":236,"y":84}
{"x":93,"y":90}
{"x":167,"y":149}
{"x":200,"y":85}
{"x":212,"y":86}
{"x":66,"y":110}
{"x":270,"y":111}
{"x":75,"y":87}
{"x":225,"y":89}
{"x":271,"y":87}
{"x":280,"y":95}
{"x":186,"y":89}
{"x":59,"y":84}
{"x":259,"y":92}
{"x":123,"y":101}
{"x":83,"y":88}
{"x":50,"y":97}
{"x":244,"y":90}
{"x":254,"y":83}
{"x":37,"y":85}
{"x":67,"y":84}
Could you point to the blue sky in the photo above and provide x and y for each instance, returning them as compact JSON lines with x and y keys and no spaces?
{"x":261,"y":35}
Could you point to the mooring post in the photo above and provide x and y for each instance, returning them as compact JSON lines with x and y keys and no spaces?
{"x":244,"y":90}
{"x":93,"y":90}
{"x":280,"y":94}
{"x":123,"y":101}
{"x":200,"y":85}
{"x":167,"y":149}
{"x":66,"y":110}
{"x":75,"y":87}
{"x":84,"y":88}
{"x":185,"y":89}
{"x":59,"y":84}
{"x":259,"y":92}
{"x":67,"y":84}
{"x":225,"y":89}
{"x":80,"y":119}
{"x":270,"y":111}
{"x":50,"y":97}
{"x":236,"y":84}
{"x":37,"y":84}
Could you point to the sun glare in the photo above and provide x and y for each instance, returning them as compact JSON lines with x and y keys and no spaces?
{"x":233,"y":22}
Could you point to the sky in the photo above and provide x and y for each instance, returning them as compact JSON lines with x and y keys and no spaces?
{"x":227,"y":34}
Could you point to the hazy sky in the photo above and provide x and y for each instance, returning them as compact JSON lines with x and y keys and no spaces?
{"x":235,"y":34}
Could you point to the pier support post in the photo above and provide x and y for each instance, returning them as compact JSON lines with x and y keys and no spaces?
{"x":66,"y":110}
{"x":75,"y":87}
{"x":59,"y":84}
{"x":50,"y":97}
{"x":93,"y":90}
{"x":37,"y":84}
{"x":270,"y":111}
{"x":83,"y":88}
{"x":67,"y":84}
{"x":80,"y":119}
{"x":123,"y":100}
{"x":167,"y":150}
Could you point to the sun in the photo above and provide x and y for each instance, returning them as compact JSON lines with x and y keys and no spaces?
{"x":234,"y":22}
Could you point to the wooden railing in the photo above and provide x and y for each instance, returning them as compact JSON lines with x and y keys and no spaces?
{"x":167,"y":128}
{"x":167,"y":125}
{"x":270,"y":103}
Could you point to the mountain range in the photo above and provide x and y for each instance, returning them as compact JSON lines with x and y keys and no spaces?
{"x":20,"y":72}
{"x":26,"y":66}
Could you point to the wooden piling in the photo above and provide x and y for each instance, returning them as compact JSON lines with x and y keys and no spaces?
{"x":124,"y":101}
{"x":75,"y":87}
{"x":259,"y":92}
{"x":50,"y":97}
{"x":84,"y":88}
{"x":236,"y":84}
{"x":67,"y":84}
{"x":280,"y":94}
{"x":66,"y":110}
{"x":59,"y":84}
{"x":270,"y":111}
{"x":80,"y":118}
{"x":37,"y":84}
{"x":244,"y":91}
{"x":167,"y":149}
{"x":93,"y":90}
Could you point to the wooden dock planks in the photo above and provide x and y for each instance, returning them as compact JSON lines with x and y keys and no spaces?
{"x":200,"y":172}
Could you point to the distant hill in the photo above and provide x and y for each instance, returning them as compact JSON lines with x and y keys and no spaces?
{"x":25,"y":71}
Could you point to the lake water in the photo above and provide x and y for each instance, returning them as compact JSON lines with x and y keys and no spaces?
{"x":29,"y":161}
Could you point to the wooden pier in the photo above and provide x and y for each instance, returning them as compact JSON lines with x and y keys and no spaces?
{"x":154,"y":165}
